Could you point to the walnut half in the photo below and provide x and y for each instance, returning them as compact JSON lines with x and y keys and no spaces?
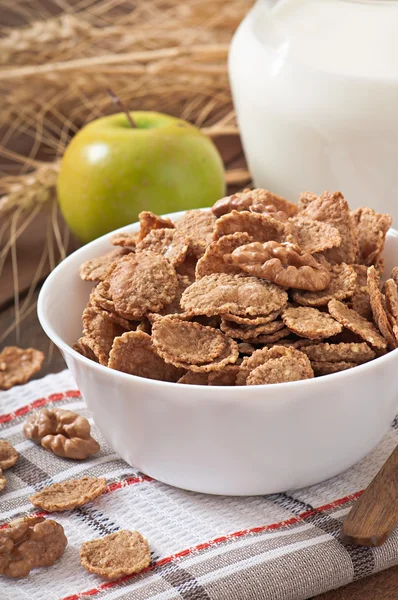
{"x":64,"y":432}
{"x":284,"y":264}
{"x":28,"y":543}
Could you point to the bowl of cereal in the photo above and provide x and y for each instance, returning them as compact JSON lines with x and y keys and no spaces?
{"x":245,"y":349}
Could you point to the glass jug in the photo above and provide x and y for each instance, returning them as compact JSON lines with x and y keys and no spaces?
{"x":315,"y":87}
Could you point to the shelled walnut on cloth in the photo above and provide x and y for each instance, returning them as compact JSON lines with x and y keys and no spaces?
{"x":64,"y":432}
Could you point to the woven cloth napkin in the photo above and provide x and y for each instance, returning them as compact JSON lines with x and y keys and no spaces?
{"x":280,"y":547}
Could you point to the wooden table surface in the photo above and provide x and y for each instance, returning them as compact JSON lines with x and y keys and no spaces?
{"x":383,"y":586}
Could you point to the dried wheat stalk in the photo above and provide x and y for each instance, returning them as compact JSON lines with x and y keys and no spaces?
{"x":157,"y":55}
{"x":26,"y":191}
{"x":51,"y":102}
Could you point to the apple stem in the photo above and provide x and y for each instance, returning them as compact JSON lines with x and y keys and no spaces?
{"x":116,"y":100}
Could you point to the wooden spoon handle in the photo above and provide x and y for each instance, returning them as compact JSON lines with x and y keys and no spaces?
{"x":375,"y":513}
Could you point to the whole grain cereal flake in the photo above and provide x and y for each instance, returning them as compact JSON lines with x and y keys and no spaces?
{"x":262,"y":356}
{"x":134,"y":353}
{"x":101,"y":327}
{"x":394,"y":275}
{"x":174,"y":307}
{"x":380,"y":265}
{"x":252,"y":321}
{"x":149,"y":221}
{"x":362,"y":274}
{"x":278,"y":370}
{"x":187,"y":342}
{"x":395,"y":332}
{"x":261,"y":228}
{"x":376,"y":302}
{"x":100,"y":296}
{"x":96,"y":269}
{"x":360,"y":301}
{"x":167,"y":243}
{"x":3,"y":481}
{"x":310,"y":323}
{"x":266,"y":197}
{"x":197,"y":225}
{"x":17,"y":365}
{"x":315,"y":236}
{"x":8,"y":455}
{"x":193,"y":378}
{"x":242,"y":332}
{"x":68,"y":495}
{"x":342,"y":352}
{"x":334,"y":209}
{"x":351,"y":320}
{"x":87,"y":347}
{"x":342,"y":286}
{"x":116,"y":555}
{"x":292,"y":342}
{"x":371,"y":230}
{"x":192,"y":346}
{"x":226,"y":376}
{"x":217,"y":258}
{"x":142,"y":283}
{"x":391,"y":306}
{"x":391,"y":296}
{"x":305,"y":199}
{"x":233,"y":294}
{"x":271,"y":337}
{"x":323,"y":367}
{"x":125,"y":239}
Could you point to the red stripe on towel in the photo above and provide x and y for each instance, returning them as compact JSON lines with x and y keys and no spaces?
{"x":23,"y":410}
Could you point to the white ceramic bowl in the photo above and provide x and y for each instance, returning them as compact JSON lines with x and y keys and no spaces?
{"x":224,"y":440}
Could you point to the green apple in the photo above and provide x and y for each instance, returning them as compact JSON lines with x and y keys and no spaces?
{"x":111,"y":171}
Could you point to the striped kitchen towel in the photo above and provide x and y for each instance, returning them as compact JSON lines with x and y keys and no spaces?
{"x":280,"y":547}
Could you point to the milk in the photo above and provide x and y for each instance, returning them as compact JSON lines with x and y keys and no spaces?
{"x":315,"y":86}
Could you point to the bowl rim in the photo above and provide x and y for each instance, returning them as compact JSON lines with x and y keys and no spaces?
{"x":62,"y":345}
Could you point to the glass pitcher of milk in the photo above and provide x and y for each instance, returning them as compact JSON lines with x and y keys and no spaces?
{"x":315,"y":87}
